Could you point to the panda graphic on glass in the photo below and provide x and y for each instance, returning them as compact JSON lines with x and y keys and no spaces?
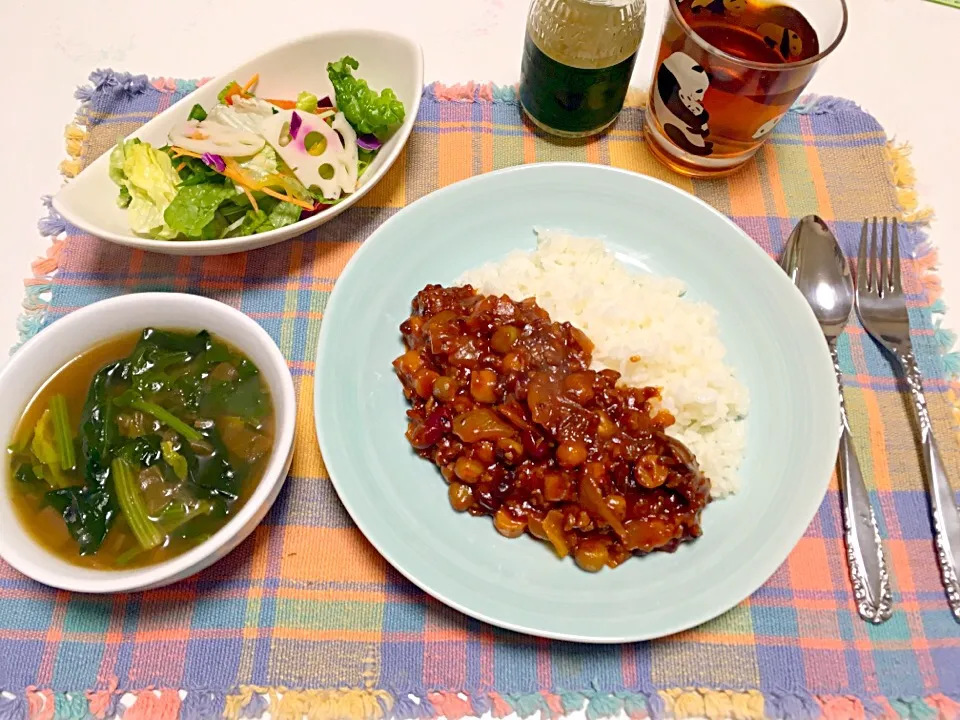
{"x":678,"y":101}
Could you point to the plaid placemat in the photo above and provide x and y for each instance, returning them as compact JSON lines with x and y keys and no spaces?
{"x":305,"y":618}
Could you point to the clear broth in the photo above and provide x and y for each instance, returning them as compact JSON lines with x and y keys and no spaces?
{"x":46,"y":525}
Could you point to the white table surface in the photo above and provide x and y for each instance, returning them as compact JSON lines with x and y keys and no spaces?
{"x":898,"y":61}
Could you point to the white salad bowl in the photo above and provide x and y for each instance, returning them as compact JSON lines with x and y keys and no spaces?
{"x":50,"y":350}
{"x":89,"y":201}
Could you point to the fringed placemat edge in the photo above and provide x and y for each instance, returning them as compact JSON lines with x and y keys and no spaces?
{"x":38,"y":286}
{"x":250,"y":701}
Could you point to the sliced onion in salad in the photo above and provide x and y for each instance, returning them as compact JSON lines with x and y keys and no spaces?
{"x":207,"y":136}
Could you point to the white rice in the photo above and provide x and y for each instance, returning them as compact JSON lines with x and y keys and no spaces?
{"x":644,"y":329}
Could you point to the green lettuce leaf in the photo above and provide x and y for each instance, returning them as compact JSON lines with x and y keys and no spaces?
{"x":365,"y":110}
{"x":258,"y":167}
{"x":150,"y":171}
{"x":283,"y":214}
{"x":307,"y":102}
{"x":150,"y":181}
{"x":280,"y":215}
{"x":116,"y":162}
{"x":145,"y":218}
{"x":195,"y":206}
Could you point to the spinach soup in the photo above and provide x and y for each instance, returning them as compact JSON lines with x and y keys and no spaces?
{"x":140,"y":448}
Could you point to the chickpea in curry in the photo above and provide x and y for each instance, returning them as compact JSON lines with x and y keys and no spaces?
{"x":504,"y":402}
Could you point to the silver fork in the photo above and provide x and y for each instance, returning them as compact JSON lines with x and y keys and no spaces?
{"x":883,"y":311}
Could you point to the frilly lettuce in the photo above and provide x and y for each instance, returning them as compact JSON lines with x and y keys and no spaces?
{"x":151,"y":183}
{"x":364,"y":109}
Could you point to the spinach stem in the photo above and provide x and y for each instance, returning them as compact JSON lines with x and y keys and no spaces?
{"x":128,"y":556}
{"x":131,"y":502}
{"x":64,"y":436}
{"x":168,"y":419}
{"x":175,"y":515}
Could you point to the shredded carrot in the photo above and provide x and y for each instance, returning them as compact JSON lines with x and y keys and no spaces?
{"x":232,"y":89}
{"x":242,"y":180}
{"x":179,"y":152}
{"x":287,"y":198}
{"x":283,"y":104}
{"x":181,"y":166}
{"x":253,"y":202}
{"x":250,"y":83}
{"x":232,"y":171}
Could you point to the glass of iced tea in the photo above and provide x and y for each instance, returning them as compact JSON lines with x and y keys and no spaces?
{"x":727,"y":71}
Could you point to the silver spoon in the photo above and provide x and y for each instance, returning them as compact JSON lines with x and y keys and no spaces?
{"x":814,"y":261}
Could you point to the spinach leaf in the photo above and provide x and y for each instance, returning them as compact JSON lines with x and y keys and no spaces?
{"x":175,"y":341}
{"x":25,"y":474}
{"x":30,"y":479}
{"x":243,"y":397}
{"x":246,"y":369}
{"x":150,"y":361}
{"x":217,"y":353}
{"x":190,"y":387}
{"x":87,"y":514}
{"x":98,"y":428}
{"x":212,"y":471}
{"x":142,"y":452}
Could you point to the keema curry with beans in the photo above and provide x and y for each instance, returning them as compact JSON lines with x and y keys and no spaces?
{"x":504,"y":402}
